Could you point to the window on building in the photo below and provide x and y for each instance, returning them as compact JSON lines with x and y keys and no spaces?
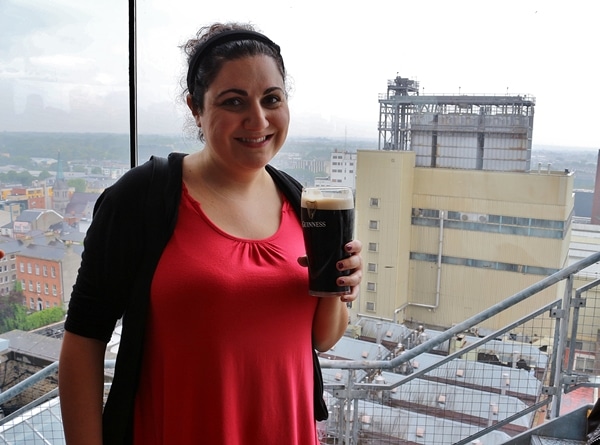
{"x":31,"y":304}
{"x":373,"y":225}
{"x":374,"y":202}
{"x":53,"y":271}
{"x":22,"y":267}
{"x":372,"y":267}
{"x":54,"y":292}
{"x":46,"y":288}
{"x":373,"y":247}
{"x":371,"y":287}
{"x":370,"y":306}
{"x":584,"y":362}
{"x":45,"y":270}
{"x":30,"y":286}
{"x":37,"y":269}
{"x":29,"y":270}
{"x":38,"y":287}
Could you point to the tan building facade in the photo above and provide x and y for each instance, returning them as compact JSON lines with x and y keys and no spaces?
{"x":441,"y":245}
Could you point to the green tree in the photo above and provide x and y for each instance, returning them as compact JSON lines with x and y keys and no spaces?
{"x":78,"y":184}
{"x":44,"y":174}
{"x":13,"y":315}
{"x":42,"y":318}
{"x":9,"y":305}
{"x":23,"y":178}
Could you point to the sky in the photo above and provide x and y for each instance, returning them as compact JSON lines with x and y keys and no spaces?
{"x":64,"y":63}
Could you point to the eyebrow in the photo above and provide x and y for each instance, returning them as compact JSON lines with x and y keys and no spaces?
{"x":245,"y":93}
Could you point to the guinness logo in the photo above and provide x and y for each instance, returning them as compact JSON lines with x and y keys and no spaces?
{"x":311,"y":208}
{"x":310,"y":224}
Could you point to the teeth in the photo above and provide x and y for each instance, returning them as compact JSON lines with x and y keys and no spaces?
{"x":254,"y":141}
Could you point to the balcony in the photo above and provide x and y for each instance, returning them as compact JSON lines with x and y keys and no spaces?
{"x":387,"y":383}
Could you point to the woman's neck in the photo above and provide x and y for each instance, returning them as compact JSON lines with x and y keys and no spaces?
{"x":222,"y":180}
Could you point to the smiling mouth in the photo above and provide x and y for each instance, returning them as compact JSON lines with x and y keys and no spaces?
{"x":255,"y":140}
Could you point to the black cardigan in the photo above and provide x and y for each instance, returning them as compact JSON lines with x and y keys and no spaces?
{"x":133,"y":221}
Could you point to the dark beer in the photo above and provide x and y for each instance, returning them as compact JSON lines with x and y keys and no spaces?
{"x":328,"y":225}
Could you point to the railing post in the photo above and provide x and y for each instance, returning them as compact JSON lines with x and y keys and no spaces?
{"x":348,"y":406}
{"x":563,"y":329}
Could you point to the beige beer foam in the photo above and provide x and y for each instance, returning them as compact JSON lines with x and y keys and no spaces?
{"x":314,"y":199}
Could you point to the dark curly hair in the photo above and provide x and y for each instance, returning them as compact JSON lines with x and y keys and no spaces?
{"x":202,"y":72}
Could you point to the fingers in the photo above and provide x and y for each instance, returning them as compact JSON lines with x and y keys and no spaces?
{"x":354,"y":264}
{"x":354,"y":261}
{"x":352,"y":280}
{"x":353,"y":247}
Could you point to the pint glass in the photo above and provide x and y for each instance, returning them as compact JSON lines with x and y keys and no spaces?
{"x":327,"y":215}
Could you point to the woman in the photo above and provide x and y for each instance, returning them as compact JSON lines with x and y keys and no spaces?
{"x":218,"y":328}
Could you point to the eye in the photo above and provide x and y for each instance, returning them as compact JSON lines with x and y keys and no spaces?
{"x":272,"y":100}
{"x":232,"y":102}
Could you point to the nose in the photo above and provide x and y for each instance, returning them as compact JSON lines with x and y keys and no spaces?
{"x":256,"y":118}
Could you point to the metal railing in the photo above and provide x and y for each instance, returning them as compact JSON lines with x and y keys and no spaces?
{"x":479,"y":392}
{"x":455,"y":387}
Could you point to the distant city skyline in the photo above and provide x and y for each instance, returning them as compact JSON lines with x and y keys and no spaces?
{"x":64,"y":65}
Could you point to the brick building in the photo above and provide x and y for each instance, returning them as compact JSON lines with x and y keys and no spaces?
{"x":47,"y":273}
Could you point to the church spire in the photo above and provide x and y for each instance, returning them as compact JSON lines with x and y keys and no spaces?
{"x":60,"y":190}
{"x":60,"y":175}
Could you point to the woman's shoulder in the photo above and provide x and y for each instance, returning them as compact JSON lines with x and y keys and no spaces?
{"x":283,"y":179}
{"x":140,"y":177}
{"x":290,"y":187}
{"x":135,"y":184}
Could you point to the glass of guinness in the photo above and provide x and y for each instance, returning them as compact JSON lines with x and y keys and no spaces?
{"x":327,"y":215}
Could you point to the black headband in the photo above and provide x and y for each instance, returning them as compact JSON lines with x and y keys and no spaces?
{"x":218,"y":39}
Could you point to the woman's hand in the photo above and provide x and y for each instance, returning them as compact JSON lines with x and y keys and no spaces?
{"x":354,"y":264}
{"x":331,"y":316}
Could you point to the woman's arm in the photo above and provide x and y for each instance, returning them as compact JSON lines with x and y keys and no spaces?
{"x":331,"y":315}
{"x":81,"y":387}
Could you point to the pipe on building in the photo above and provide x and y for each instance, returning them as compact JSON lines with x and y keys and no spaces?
{"x":438,"y":283}
{"x":439,"y":262}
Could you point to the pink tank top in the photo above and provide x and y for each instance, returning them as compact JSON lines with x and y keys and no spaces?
{"x":227,"y":358}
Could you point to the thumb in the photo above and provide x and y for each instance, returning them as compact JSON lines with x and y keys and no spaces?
{"x":303,"y":261}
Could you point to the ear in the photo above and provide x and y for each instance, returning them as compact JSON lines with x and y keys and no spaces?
{"x":193,"y":109}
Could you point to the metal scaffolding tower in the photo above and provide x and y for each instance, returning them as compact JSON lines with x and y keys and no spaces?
{"x":457,"y":131}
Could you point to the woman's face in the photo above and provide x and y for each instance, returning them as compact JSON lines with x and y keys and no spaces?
{"x":246,"y":117}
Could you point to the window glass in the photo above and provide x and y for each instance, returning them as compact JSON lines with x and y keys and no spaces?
{"x":65,"y":70}
{"x":64,"y":129}
{"x":64,"y":93}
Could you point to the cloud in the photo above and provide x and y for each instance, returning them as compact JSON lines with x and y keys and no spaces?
{"x":340,"y":59}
